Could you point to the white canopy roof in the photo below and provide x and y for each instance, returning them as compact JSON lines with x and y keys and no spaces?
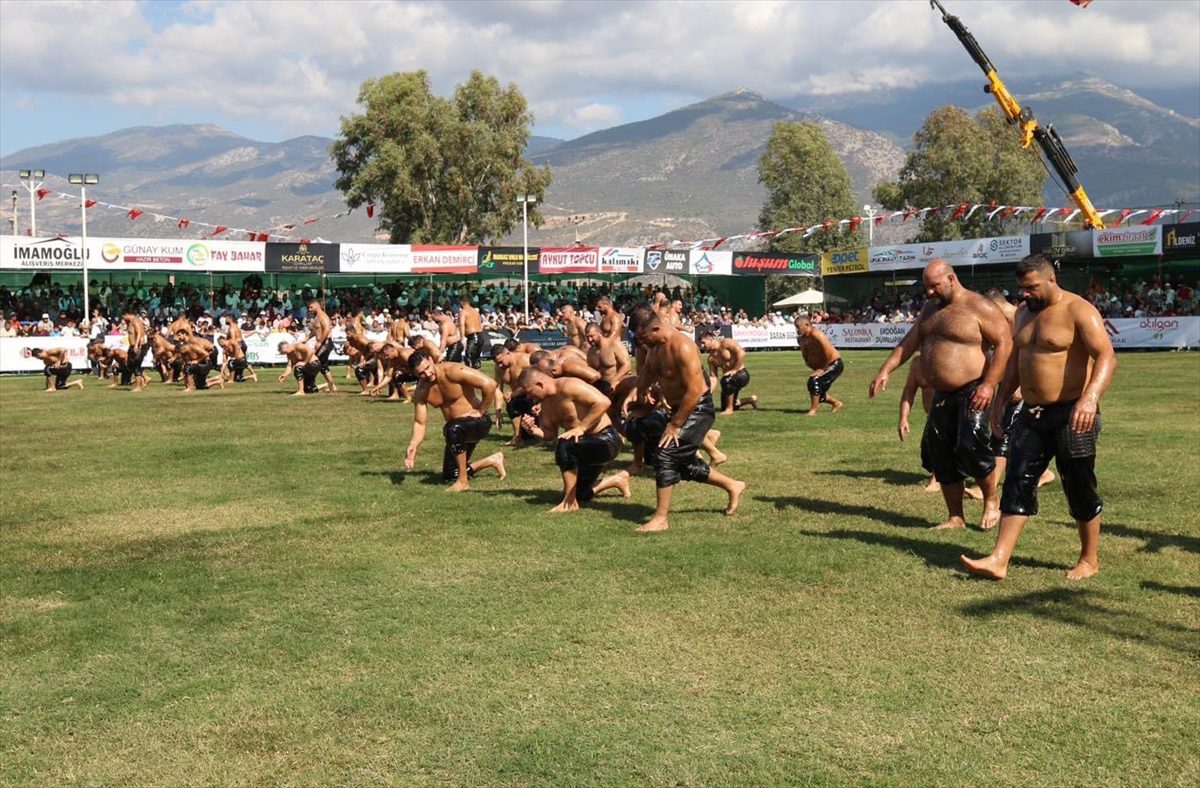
{"x":807,"y":298}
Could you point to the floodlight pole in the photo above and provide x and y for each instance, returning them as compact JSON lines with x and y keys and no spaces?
{"x":32,"y":179}
{"x":525,"y":199}
{"x":870,"y":210}
{"x":14,"y":216}
{"x":82,"y":180}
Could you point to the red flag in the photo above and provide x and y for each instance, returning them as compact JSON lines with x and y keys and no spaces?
{"x":89,"y":203}
{"x":303,"y":240}
{"x":879,"y":219}
{"x":959,"y":212}
{"x":252,"y":236}
{"x":134,"y":213}
{"x":1081,"y":3}
{"x":1185,"y":216}
{"x":855,"y":222}
{"x":220,"y":229}
{"x":828,"y":225}
{"x":910,"y":213}
{"x":1153,"y":217}
{"x":183,"y":223}
{"x":1037,"y":217}
{"x":370,"y":211}
{"x":261,"y":237}
{"x":1124,"y":215}
{"x":42,"y":193}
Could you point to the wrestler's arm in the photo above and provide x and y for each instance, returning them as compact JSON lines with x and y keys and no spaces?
{"x":473,"y":378}
{"x":597,"y":405}
{"x":647,"y":376}
{"x":287,"y":370}
{"x":900,"y":354}
{"x":694,"y":376}
{"x":581,"y":371}
{"x":420,"y":415}
{"x":739,"y":356}
{"x":997,"y":332}
{"x":624,"y":364}
{"x":907,"y":397}
{"x":1089,"y":327}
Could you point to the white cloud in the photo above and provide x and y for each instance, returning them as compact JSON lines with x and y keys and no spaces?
{"x":298,"y":65}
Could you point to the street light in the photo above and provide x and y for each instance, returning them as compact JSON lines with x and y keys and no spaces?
{"x":33,"y":181}
{"x":83,"y":180}
{"x":525,"y":199}
{"x":870,"y":211}
{"x":14,"y":216}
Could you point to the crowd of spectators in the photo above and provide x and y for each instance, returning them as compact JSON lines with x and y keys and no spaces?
{"x":52,"y":309}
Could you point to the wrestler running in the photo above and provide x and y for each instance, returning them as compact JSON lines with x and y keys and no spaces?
{"x":460,"y":393}
{"x":1064,"y":362}
{"x":965,"y":343}
{"x":825,"y":362}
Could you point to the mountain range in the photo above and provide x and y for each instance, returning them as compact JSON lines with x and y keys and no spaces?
{"x":689,"y":173}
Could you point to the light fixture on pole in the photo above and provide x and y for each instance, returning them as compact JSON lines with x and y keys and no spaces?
{"x":83,"y":180}
{"x":870,"y":211}
{"x":525,"y":199}
{"x":33,"y":181}
{"x":14,"y":216}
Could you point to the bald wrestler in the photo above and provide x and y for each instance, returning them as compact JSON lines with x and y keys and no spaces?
{"x":56,"y":369}
{"x":573,"y":325}
{"x":512,"y":343}
{"x":303,"y":364}
{"x":164,"y":353}
{"x":727,"y":358}
{"x":673,"y":363}
{"x":825,"y":362}
{"x":97,"y":358}
{"x":607,"y":355}
{"x":589,"y":440}
{"x":448,"y":386}
{"x":913,"y":383}
{"x":1063,"y":363}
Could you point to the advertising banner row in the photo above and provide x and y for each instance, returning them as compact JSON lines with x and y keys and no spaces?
{"x":1125,"y":333}
{"x":59,"y":254}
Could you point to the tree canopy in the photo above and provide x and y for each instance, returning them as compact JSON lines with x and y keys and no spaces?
{"x":957,"y":158}
{"x":439,"y":170}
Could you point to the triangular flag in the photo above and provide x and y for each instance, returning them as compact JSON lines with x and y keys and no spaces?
{"x":1037,"y":217}
{"x":183,"y":223}
{"x":1157,"y":212}
{"x":134,"y":213}
{"x":42,"y":193}
{"x":220,"y":229}
{"x":855,"y":222}
{"x":370,"y":211}
{"x":959,"y":212}
{"x":1125,"y":213}
{"x":89,"y":203}
{"x":879,"y":219}
{"x":311,"y":220}
{"x":262,"y":237}
{"x":304,"y":240}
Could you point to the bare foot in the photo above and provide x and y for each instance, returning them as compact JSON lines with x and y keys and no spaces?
{"x":810,"y":413}
{"x":724,"y":412}
{"x":752,"y":401}
{"x":459,"y":486}
{"x":734,"y":496}
{"x":837,"y":406}
{"x":1046,"y":477}
{"x":332,"y":388}
{"x":565,"y":507}
{"x":973,"y":492}
{"x":987,"y":566}
{"x":950,"y":523}
{"x":655,"y":525}
{"x":498,"y":459}
{"x":621,"y":479}
{"x":991,"y":516}
{"x":713,"y":435}
{"x":933,"y":486}
{"x":718,"y":458}
{"x":1082,"y":570}
{"x":298,"y":394}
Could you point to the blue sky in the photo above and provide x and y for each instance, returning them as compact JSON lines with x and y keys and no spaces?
{"x":273,"y":70}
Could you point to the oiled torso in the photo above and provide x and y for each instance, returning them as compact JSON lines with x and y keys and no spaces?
{"x":952,"y":346}
{"x":1052,"y":364}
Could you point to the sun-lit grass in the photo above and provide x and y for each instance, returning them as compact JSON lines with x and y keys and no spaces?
{"x":238,"y":587}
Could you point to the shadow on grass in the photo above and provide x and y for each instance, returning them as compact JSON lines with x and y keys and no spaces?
{"x":430,"y":478}
{"x":936,"y":554}
{"x":820,"y":506}
{"x":1152,"y":585}
{"x":620,"y":508}
{"x":888,"y":475}
{"x":1155,"y":541}
{"x":1082,"y":607}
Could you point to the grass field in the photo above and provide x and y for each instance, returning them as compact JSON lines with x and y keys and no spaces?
{"x":241,"y":588}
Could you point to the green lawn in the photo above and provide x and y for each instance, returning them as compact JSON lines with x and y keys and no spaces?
{"x":241,"y":588}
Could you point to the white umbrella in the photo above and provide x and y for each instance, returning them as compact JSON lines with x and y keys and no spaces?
{"x":808,"y":298}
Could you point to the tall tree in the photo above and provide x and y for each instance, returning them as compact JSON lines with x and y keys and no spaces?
{"x":958,"y":159}
{"x":806,"y":184}
{"x":439,"y":170}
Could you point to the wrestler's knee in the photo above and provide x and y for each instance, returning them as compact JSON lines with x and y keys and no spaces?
{"x":696,"y":471}
{"x":564,"y":455}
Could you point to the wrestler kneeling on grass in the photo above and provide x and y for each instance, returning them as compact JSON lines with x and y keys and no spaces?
{"x":589,"y":441}
{"x":463,"y":395}
{"x":57,"y":369}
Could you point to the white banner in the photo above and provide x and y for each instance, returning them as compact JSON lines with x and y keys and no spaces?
{"x":1172,"y":332}
{"x":1127,"y":241}
{"x":583,"y":260}
{"x":175,"y":255}
{"x":975,"y":251}
{"x":376,"y":259}
{"x":621,"y":259}
{"x":41,"y":254}
{"x":709,"y":262}
{"x":445,"y":259}
{"x":14,"y":352}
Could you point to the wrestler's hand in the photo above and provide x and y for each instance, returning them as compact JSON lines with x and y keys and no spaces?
{"x":410,"y":458}
{"x":903,"y":429}
{"x":981,"y":398}
{"x":1083,"y":415}
{"x":878,"y":384}
{"x":994,"y":419}
{"x":670,"y":437}
{"x":281,"y":377}
{"x":572,"y":434}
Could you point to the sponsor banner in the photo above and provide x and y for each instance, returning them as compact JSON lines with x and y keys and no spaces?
{"x":621,"y":259}
{"x":42,"y":254}
{"x":445,"y":259}
{"x":549,"y":340}
{"x":376,"y":259}
{"x":774,"y":263}
{"x":709,"y":262}
{"x":1074,"y":245}
{"x":845,"y":261}
{"x":893,"y":258}
{"x":865,"y":335}
{"x":1128,"y":241}
{"x":299,"y":258}
{"x":1164,"y":332}
{"x":1179,"y":239}
{"x":674,"y":262}
{"x":506,"y":260}
{"x":15,"y":357}
{"x":974,"y":251}
{"x":654,"y":261}
{"x":176,"y":255}
{"x":571,"y":260}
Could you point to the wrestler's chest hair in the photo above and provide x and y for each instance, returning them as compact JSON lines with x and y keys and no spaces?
{"x":955,"y":322}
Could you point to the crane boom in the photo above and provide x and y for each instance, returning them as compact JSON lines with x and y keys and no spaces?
{"x":1022,"y":117}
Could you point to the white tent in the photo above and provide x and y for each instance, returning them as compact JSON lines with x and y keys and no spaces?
{"x":662,"y":280}
{"x":808,"y":298}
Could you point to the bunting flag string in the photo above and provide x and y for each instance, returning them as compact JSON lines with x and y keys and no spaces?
{"x":954,"y":211}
